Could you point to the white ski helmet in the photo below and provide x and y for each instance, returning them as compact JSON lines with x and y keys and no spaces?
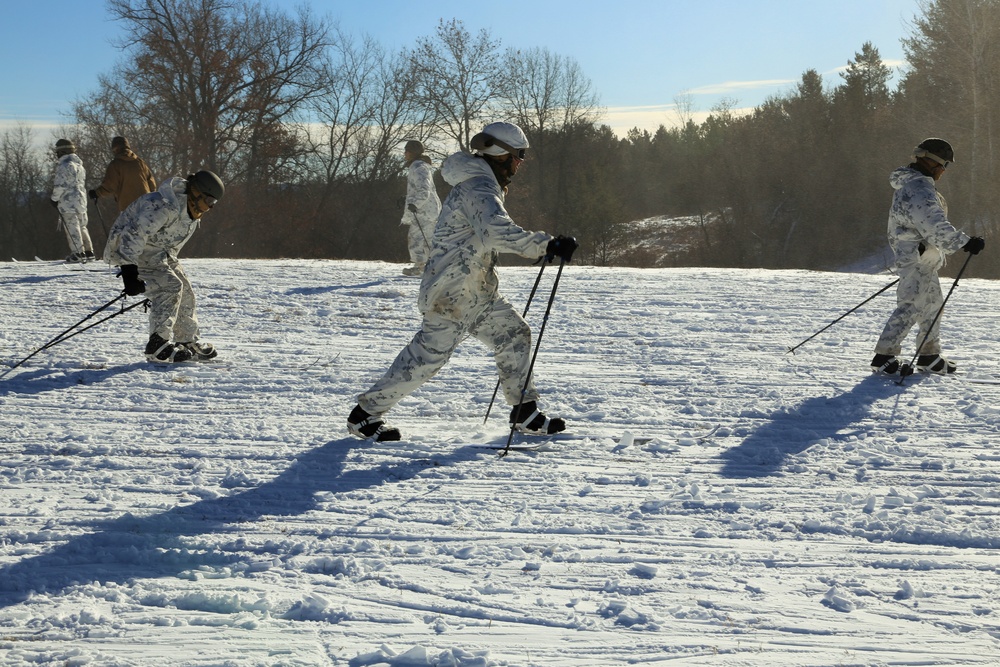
{"x":500,"y":138}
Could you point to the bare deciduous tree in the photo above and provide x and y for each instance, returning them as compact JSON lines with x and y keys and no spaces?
{"x":549,"y":97}
{"x":546,"y":91}
{"x":459,"y":77}
{"x":23,"y":195}
{"x":212,"y":81}
{"x":368,"y":109}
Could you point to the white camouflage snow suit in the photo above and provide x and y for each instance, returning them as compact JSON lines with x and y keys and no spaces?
{"x":149,"y":233}
{"x":918,"y":218}
{"x":458,"y":292}
{"x":420,"y":193}
{"x":70,"y":191}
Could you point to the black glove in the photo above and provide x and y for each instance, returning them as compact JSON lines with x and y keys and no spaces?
{"x":412,"y":207}
{"x":130,"y":276}
{"x":92,"y":194}
{"x":54,"y":203}
{"x":975,"y":244}
{"x":561,"y":247}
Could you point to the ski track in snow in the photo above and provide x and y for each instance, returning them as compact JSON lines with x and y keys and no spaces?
{"x":725,"y":503}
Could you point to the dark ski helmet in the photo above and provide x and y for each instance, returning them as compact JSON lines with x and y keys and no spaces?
{"x":208,"y":184}
{"x":938,"y":150}
{"x":64,"y":147}
{"x":415,"y":147}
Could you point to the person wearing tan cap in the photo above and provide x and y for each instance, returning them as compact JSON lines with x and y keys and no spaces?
{"x":127,"y":177}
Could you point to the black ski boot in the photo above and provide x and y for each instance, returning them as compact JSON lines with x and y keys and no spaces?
{"x":201,"y":351}
{"x":527,"y":419}
{"x":364,"y":425}
{"x":886,"y":364}
{"x":935,"y":363}
{"x":162,"y":351}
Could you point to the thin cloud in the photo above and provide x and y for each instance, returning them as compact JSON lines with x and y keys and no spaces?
{"x":648,"y":108}
{"x":734,"y":86}
{"x":650,"y":117}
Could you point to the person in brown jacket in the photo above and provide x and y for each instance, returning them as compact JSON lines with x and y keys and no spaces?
{"x":127,"y":177}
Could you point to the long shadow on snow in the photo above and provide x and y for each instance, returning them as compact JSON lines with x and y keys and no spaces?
{"x":41,"y":380}
{"x":166,"y":544}
{"x":791,"y":431}
{"x":30,"y":280}
{"x":360,"y":286}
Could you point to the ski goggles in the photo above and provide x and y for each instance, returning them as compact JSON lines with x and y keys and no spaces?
{"x":490,"y":145}
{"x":920,"y":152}
{"x":199,"y":197}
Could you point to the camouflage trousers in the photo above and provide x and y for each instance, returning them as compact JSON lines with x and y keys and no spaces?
{"x":74,"y":222}
{"x":501,"y":329}
{"x":172,"y":309}
{"x":918,"y":299}
{"x":419,"y":238}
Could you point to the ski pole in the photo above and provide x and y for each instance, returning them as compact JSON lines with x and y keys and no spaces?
{"x":907,"y":369}
{"x":63,"y":335}
{"x":531,"y":366}
{"x":416,"y":221}
{"x":69,"y":237}
{"x":792,"y":349}
{"x":523,"y":315}
{"x":107,"y":305}
{"x":103,"y":319}
{"x":100,"y":216}
{"x":59,"y":337}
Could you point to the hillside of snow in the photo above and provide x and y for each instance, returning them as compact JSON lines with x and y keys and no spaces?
{"x":716,"y":502}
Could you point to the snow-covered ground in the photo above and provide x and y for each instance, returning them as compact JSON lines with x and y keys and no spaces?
{"x":785,"y":509}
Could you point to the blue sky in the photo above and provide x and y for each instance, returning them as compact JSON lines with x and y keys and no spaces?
{"x":641,"y":56}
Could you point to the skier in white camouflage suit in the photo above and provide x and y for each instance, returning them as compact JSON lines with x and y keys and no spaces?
{"x":144,"y":242}
{"x":422,"y":206}
{"x":921,"y":237}
{"x":458,"y":292}
{"x":69,"y":196}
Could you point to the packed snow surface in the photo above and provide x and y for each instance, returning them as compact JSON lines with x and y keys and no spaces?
{"x":717,"y":501}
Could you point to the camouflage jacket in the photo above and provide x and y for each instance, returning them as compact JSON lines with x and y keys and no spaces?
{"x":153,"y":229}
{"x":919,"y":217}
{"x":421,"y":193}
{"x":460,"y":281}
{"x":68,"y":184}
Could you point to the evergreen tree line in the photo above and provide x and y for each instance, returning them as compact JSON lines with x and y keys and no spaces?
{"x":305,"y":124}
